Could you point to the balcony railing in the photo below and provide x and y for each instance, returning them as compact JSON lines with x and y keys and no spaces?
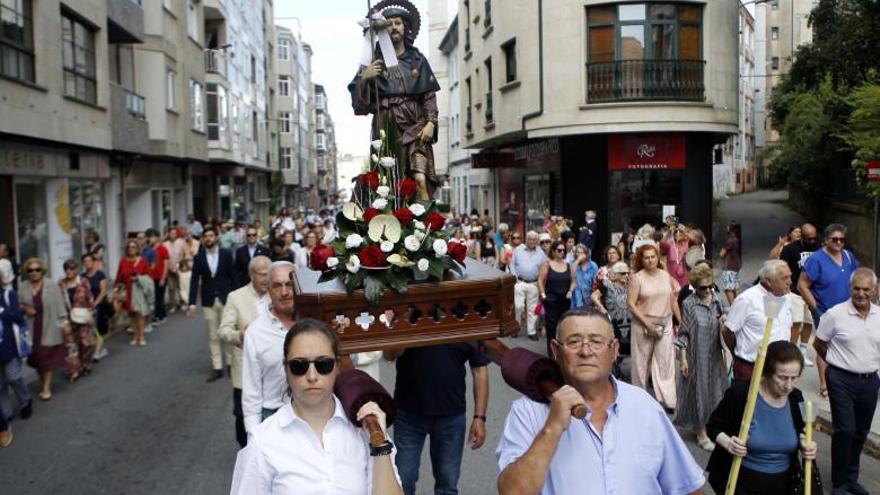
{"x":134,"y":103}
{"x":624,"y":80}
{"x":215,"y":62}
{"x":489,"y":117}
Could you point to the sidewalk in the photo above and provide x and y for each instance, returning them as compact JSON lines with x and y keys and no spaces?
{"x":764,"y":216}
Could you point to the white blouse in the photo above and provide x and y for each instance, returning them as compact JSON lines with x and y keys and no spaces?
{"x":284,"y":456}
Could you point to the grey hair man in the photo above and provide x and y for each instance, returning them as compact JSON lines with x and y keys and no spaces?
{"x":527,"y":262}
{"x":744,"y":328}
{"x":263,"y":378}
{"x":242,"y":307}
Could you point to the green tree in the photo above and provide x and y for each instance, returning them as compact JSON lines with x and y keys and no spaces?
{"x":863,"y":132}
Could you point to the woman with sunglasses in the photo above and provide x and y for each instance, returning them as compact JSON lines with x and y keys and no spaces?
{"x":130,"y":268}
{"x":77,"y":293}
{"x":556,"y":283}
{"x":703,"y":377}
{"x":309,"y":446}
{"x":43,"y":304}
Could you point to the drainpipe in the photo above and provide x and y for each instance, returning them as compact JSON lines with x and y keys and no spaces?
{"x":540,"y":110}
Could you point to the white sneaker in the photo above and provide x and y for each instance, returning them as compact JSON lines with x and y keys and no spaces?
{"x":129,"y":330}
{"x":148,"y":328}
{"x":101,"y":354}
{"x":806,"y":353}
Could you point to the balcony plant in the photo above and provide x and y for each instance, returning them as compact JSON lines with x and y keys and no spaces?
{"x":385,"y":239}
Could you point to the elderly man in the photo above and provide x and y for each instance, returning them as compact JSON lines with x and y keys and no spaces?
{"x":848,"y":339}
{"x":625,"y":445}
{"x":263,"y":380}
{"x":744,"y":328}
{"x":527,"y":261}
{"x":242,"y":307}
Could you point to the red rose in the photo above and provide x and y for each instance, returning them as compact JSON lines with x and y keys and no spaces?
{"x":319,"y":256}
{"x":456,"y":250}
{"x":369,"y":214}
{"x":435,"y":221}
{"x":372,"y":257}
{"x":404,"y":215}
{"x":370,"y":179}
{"x":406,"y":188}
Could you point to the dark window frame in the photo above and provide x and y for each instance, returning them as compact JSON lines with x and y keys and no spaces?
{"x":77,"y":73}
{"x":647,"y":23}
{"x":23,"y":48}
{"x":509,"y":49}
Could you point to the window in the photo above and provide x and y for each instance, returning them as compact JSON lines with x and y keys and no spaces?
{"x":17,"y":40}
{"x":774,"y":63}
{"x":196,"y":110}
{"x":192,"y":19}
{"x":283,"y":86}
{"x":774,"y":33}
{"x":319,"y":121}
{"x":489,"y":112}
{"x":168,"y":4}
{"x":78,"y":48}
{"x":286,"y":122}
{"x":283,"y":49}
{"x":218,"y":115}
{"x":774,"y":4}
{"x":319,"y":141}
{"x":487,"y":19}
{"x":509,"y":49}
{"x":170,"y":90}
{"x":468,"y":124}
{"x":286,"y":158}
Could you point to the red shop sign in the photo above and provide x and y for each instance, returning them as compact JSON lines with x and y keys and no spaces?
{"x":874,"y":171}
{"x":664,"y":151}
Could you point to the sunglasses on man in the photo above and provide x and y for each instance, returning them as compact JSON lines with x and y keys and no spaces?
{"x":300,"y":366}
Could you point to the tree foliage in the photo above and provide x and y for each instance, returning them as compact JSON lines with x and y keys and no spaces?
{"x":863,"y":131}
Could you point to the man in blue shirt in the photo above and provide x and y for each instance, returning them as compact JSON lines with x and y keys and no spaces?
{"x":625,"y":445}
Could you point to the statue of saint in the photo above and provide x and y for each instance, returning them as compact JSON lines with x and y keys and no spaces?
{"x":406,"y":97}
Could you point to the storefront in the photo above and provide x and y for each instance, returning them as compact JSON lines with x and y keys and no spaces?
{"x":156,"y":194}
{"x":54,"y":197}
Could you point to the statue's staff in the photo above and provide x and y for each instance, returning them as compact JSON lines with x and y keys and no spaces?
{"x":374,"y":26}
{"x":772,"y":305}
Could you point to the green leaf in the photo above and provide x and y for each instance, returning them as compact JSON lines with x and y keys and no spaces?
{"x":345,"y":225}
{"x":436,"y":267}
{"x":397,"y":280}
{"x":454,"y":266}
{"x":328,"y":276}
{"x":338,"y":246}
{"x":354,"y":281}
{"x":374,"y":287}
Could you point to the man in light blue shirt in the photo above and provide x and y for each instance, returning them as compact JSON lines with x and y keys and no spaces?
{"x":626,"y":444}
{"x":527,"y":261}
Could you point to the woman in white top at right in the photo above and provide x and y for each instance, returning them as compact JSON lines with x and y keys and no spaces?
{"x":309,"y":446}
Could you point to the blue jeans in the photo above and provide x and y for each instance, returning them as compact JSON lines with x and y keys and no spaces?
{"x":11,"y":375}
{"x":447,"y":443}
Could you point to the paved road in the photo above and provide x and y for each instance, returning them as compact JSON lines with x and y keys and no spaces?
{"x":146,"y":423}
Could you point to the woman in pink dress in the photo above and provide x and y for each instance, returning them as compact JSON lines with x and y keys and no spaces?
{"x":675,"y":247}
{"x":652,"y":300}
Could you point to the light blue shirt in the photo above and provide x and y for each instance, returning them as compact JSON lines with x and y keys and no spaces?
{"x":638,"y":452}
{"x":526,"y":263}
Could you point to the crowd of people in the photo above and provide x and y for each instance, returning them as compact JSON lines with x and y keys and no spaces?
{"x":692,"y":339}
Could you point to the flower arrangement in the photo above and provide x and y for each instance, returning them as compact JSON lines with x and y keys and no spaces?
{"x":385,"y":239}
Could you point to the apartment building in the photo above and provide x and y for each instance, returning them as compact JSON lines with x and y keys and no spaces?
{"x":614,"y":107}
{"x":325,"y":148}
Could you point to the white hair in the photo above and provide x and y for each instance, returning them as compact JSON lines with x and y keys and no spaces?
{"x":531,"y":234}
{"x":770,"y":269}
{"x":7,"y":275}
{"x":863,"y":272}
{"x":502,"y":227}
{"x":258,"y":261}
{"x":646,"y":231}
{"x":279,"y":265}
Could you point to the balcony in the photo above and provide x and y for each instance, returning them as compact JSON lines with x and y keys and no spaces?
{"x":129,"y":120}
{"x":215,"y":62}
{"x":125,"y":21}
{"x":490,"y":119}
{"x":641,"y":80}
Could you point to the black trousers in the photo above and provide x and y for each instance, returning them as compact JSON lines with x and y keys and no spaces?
{"x":240,"y":432}
{"x":554,"y":306}
{"x":853,"y":398}
{"x":159,"y":314}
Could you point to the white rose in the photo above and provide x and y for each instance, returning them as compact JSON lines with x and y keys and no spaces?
{"x":423,"y":264}
{"x":439,"y":247}
{"x":382,"y":133}
{"x":374,"y":158}
{"x":354,"y":264}
{"x":353,"y":241}
{"x":332,"y":262}
{"x":383,"y":191}
{"x":379,"y":203}
{"x":419,"y":225}
{"x":386,"y":246}
{"x":417,"y":209}
{"x":386,"y":161}
{"x":420,"y":235}
{"x":412,"y":243}
{"x":376,"y":144}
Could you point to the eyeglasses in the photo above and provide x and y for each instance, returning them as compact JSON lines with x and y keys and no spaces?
{"x":839,"y":240}
{"x":704,"y":287}
{"x":560,"y":250}
{"x":595,"y":346}
{"x":254,"y":234}
{"x":70,"y":267}
{"x":34,"y":270}
{"x":300,"y":366}
{"x":517,"y":237}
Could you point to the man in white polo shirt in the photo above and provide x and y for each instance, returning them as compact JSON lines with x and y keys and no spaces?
{"x":744,"y":327}
{"x":848,"y":338}
{"x":262,"y":370}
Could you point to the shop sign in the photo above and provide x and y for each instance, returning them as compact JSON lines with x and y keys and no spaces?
{"x":532,"y":154}
{"x":874,"y":171}
{"x":16,"y":161}
{"x":662,"y":151}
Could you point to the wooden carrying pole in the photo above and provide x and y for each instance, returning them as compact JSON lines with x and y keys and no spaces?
{"x":808,"y":464}
{"x":771,"y":308}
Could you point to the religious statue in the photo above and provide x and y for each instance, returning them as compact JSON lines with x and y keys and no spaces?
{"x":395,"y":84}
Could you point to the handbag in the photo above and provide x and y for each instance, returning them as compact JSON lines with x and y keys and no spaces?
{"x":81,"y":316}
{"x":797,"y":479}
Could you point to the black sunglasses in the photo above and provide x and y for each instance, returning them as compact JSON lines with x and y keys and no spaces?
{"x":252,"y":234}
{"x":704,"y":287}
{"x":34,"y":270}
{"x":560,"y":250}
{"x":837,"y":239}
{"x":300,"y":366}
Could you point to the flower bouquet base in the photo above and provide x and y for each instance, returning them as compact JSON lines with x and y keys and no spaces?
{"x":477,"y":305}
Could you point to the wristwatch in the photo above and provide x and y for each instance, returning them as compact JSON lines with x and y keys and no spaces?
{"x":384,"y":449}
{"x":482,"y":417}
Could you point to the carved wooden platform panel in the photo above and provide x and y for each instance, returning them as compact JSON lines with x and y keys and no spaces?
{"x":477,"y":306}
